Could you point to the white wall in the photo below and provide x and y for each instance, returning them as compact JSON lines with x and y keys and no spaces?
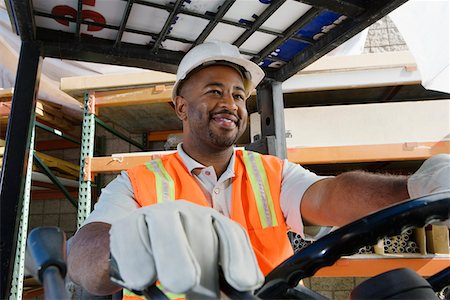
{"x":364,"y":124}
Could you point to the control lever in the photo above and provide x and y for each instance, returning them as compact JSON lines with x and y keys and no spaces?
{"x":47,"y":246}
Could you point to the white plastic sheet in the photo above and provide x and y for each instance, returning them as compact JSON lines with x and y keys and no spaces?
{"x":424,"y":26}
{"x":52,"y":69}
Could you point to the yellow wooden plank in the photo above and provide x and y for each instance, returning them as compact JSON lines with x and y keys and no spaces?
{"x":134,"y":96}
{"x":80,"y":84}
{"x":110,"y":164}
{"x":61,"y":166}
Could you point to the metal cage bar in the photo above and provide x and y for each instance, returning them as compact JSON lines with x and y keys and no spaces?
{"x":108,"y":26}
{"x":64,"y":45}
{"x":274,"y":5}
{"x":123,"y":23}
{"x":343,"y":7}
{"x":15,"y":159}
{"x":213,"y":23}
{"x":166,"y":27}
{"x":75,"y":20}
{"x":94,"y":50}
{"x":214,"y":20}
{"x":79,"y":19}
{"x":288,"y":33}
{"x":24,"y":19}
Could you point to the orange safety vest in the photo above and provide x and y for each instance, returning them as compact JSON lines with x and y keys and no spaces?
{"x":255,"y":205}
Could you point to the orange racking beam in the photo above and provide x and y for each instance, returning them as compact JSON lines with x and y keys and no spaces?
{"x":367,"y":153}
{"x":367,"y":267}
{"x":155,"y":136}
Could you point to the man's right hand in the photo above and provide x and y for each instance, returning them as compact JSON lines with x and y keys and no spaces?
{"x":182,"y":245}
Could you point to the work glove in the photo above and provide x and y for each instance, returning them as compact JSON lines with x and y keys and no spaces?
{"x":432,"y":177}
{"x":182,"y":245}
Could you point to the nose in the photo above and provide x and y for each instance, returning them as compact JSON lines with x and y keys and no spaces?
{"x":228,"y":101}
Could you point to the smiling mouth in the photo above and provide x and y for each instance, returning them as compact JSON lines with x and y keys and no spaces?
{"x":225,"y":120}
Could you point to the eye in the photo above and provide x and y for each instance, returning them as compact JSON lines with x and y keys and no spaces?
{"x":215,"y":92}
{"x":239,"y":97}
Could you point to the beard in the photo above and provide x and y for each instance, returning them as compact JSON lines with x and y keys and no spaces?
{"x":202,"y":127}
{"x":222,"y":140}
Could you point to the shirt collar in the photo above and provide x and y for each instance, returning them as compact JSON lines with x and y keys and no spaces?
{"x":192,"y":164}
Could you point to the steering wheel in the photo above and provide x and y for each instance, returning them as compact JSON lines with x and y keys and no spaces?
{"x":348,"y":239}
{"x":393,"y":220}
{"x":281,"y":282}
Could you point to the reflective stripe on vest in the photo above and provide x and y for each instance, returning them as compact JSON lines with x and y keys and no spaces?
{"x":129,"y":295}
{"x":165,"y":188}
{"x":261,"y":190}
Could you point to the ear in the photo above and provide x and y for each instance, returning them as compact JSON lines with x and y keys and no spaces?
{"x":180,"y":107}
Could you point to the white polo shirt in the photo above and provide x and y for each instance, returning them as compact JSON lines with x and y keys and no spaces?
{"x":117,"y":198}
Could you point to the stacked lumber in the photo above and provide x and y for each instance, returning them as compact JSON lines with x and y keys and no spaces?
{"x":51,"y":114}
{"x":47,"y":113}
{"x":59,"y":167}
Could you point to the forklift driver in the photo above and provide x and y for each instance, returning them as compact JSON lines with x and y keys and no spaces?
{"x":232,"y":207}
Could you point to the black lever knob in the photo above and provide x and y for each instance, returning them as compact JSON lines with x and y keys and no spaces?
{"x":47,"y":246}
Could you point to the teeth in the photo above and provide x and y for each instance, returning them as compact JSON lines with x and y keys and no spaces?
{"x":225,"y":120}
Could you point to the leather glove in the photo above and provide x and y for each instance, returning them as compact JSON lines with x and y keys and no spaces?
{"x":182,"y":244}
{"x":432,"y":177}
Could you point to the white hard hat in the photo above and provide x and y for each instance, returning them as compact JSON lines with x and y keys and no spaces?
{"x":216,"y":52}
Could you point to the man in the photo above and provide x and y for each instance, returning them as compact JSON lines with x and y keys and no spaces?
{"x":183,"y":244}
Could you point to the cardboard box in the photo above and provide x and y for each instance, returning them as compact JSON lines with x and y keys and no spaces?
{"x":437,"y":239}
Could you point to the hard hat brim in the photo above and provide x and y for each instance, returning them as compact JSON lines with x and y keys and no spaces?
{"x":253,"y":71}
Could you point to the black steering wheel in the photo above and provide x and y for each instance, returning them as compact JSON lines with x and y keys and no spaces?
{"x":348,"y":239}
{"x":282,"y":281}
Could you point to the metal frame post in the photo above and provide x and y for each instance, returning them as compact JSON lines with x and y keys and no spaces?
{"x":100,"y":146}
{"x":15,"y":159}
{"x":19,"y":262}
{"x":87,"y":150}
{"x":278,"y":118}
{"x":269,"y":99}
